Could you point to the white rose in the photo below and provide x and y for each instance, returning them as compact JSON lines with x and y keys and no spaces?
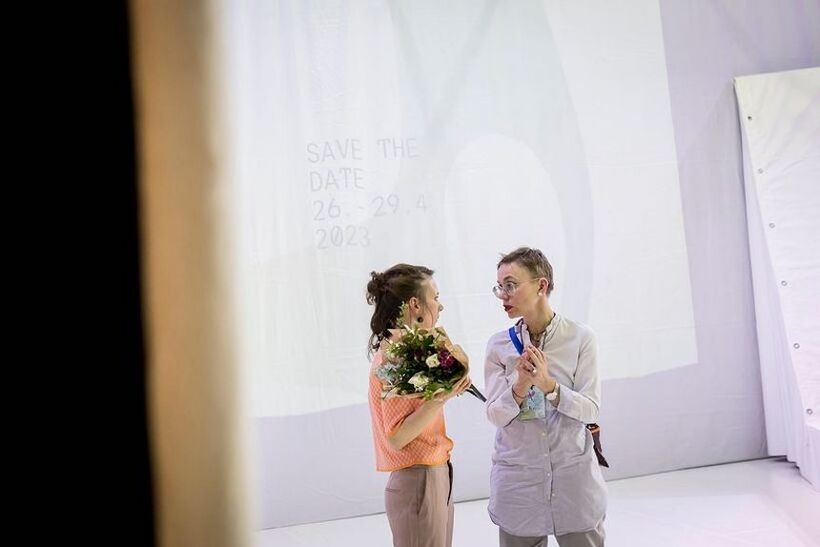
{"x":432,"y":361}
{"x":419,"y":380}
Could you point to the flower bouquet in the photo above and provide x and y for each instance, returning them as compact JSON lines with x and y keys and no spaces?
{"x":422,"y":363}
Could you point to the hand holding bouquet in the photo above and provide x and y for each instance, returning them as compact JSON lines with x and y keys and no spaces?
{"x":422,"y":363}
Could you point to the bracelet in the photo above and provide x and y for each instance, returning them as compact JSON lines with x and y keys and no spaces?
{"x":517,"y":395}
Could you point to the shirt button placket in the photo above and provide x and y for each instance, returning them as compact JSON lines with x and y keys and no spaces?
{"x":547,"y":465}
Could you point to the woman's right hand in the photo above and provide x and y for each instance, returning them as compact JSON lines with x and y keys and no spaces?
{"x":459,"y":388}
{"x":524,"y":378}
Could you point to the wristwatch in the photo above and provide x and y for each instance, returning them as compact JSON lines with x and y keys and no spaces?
{"x":552,"y":395}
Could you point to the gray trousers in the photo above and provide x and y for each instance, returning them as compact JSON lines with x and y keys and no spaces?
{"x":592,"y":538}
{"x":419,"y":506}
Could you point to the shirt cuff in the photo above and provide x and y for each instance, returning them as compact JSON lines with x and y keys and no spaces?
{"x":577,"y":406}
{"x":568,"y":403}
{"x":504,"y":409}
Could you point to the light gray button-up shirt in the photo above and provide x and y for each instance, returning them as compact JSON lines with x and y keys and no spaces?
{"x":545,"y":478}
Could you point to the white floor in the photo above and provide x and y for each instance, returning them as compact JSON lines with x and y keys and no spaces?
{"x":762,"y":502}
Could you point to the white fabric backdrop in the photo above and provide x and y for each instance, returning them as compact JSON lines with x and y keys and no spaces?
{"x":440,"y":134}
{"x":445,"y":133}
{"x":780,"y":115}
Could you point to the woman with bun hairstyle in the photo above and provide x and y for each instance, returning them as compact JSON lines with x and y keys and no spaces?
{"x":409,"y":434}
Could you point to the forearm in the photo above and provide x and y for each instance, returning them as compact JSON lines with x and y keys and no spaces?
{"x":414,"y":424}
{"x":577,"y":405}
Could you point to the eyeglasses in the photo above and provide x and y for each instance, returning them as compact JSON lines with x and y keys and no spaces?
{"x":508,"y":287}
